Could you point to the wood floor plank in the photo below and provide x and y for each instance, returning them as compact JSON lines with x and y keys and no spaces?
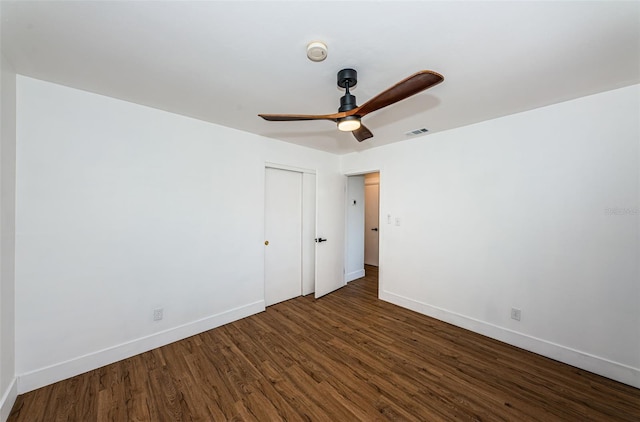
{"x":268,"y":392}
{"x":136,"y":388}
{"x":110,"y":406}
{"x":214,"y":389}
{"x":347,"y":356}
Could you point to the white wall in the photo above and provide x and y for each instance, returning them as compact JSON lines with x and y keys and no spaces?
{"x":537,"y":211}
{"x":354,"y":265}
{"x":122,"y":209}
{"x":8,"y":388}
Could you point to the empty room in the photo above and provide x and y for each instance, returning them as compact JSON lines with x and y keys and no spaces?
{"x":319,"y":210}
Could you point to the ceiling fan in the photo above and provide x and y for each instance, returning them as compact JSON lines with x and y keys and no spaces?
{"x":349,"y":114}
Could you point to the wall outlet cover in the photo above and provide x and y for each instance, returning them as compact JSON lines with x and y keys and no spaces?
{"x":516,"y":314}
{"x":158,"y":314}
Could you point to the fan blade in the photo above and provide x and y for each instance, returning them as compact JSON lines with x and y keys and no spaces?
{"x":293,"y":117}
{"x":404,"y":89}
{"x":362,"y":133}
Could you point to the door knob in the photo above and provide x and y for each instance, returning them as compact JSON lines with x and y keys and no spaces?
{"x":320,"y":240}
{"x":375,"y":229}
{"x":266,"y":243}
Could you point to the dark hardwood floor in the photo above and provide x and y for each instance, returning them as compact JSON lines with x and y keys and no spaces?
{"x":345,"y":357}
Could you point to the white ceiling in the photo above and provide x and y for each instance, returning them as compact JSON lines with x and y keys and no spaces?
{"x":225,"y":62}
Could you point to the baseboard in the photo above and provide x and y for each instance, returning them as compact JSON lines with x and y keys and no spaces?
{"x":610,"y":369}
{"x":48,"y":375}
{"x":7,"y":400}
{"x":354,"y":275}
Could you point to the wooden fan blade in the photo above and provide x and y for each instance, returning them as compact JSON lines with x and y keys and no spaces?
{"x":362,"y":133}
{"x":404,"y":89}
{"x":293,"y":117}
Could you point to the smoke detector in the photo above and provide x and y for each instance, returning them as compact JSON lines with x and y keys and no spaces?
{"x":317,"y":51}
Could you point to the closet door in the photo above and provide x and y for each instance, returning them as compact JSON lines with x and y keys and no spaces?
{"x":283,"y":235}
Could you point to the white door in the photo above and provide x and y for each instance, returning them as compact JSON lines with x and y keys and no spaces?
{"x":330,"y":226}
{"x":371,"y":221}
{"x":283,"y":232}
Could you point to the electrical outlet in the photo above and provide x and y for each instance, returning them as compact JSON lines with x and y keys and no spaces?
{"x":515,"y":314}
{"x":157,"y":314}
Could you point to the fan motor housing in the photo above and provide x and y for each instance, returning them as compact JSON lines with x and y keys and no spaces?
{"x":347,"y":102}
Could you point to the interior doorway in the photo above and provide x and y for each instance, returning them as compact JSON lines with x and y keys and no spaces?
{"x":362,"y":224}
{"x":371,"y":218}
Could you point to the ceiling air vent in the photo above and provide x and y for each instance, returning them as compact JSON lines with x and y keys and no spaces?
{"x":417,"y":132}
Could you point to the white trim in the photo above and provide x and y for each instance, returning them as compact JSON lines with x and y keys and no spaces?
{"x":288,"y":168}
{"x":8,"y":399}
{"x":598,"y":365}
{"x":354,"y":275}
{"x":44,"y":376}
{"x":361,"y":172}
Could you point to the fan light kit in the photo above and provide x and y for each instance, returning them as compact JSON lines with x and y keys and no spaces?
{"x":349,"y":114}
{"x":349,"y":124}
{"x":317,"y":51}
